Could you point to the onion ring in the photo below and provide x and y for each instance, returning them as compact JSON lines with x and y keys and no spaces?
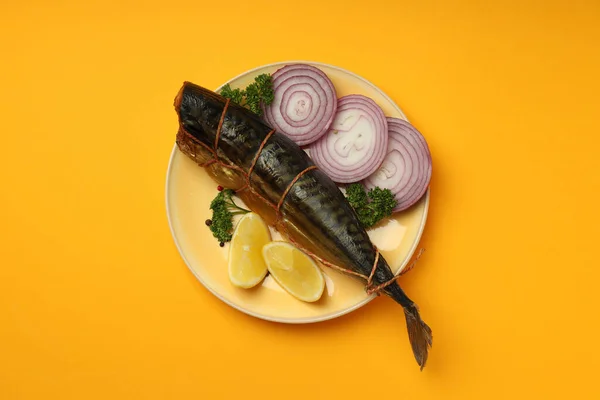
{"x":356,"y":143}
{"x":304,"y":103}
{"x":406,"y":169}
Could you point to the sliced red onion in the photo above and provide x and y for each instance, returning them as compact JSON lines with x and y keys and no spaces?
{"x":304,"y":103}
{"x":356,"y":142}
{"x":406,"y":169}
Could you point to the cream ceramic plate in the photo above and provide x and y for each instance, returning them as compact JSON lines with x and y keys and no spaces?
{"x":189,"y":191}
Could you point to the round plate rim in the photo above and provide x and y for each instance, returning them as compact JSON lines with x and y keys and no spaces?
{"x":306,"y":320}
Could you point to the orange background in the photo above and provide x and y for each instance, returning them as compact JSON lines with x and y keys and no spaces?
{"x":95,"y":301}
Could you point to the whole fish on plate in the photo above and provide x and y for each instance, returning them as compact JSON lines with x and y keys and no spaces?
{"x":279,"y":181}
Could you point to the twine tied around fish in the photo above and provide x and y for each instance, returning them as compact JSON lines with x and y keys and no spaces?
{"x":370,"y":288}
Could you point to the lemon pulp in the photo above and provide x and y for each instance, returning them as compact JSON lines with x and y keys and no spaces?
{"x":247,"y":267}
{"x":294,"y":270}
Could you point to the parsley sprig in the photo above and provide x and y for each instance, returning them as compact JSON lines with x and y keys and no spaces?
{"x":372,"y":206}
{"x":223,"y":210}
{"x":259,"y":91}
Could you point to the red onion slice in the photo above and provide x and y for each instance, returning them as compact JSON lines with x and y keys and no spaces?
{"x":356,"y":142}
{"x":406,"y":169}
{"x":304,"y":103}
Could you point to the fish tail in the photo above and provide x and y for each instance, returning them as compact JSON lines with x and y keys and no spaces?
{"x":419,"y":334}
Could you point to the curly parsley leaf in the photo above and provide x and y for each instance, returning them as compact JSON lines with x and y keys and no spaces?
{"x":372,"y":206}
{"x":258,"y":92}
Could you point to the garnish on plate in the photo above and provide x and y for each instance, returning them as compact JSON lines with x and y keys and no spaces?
{"x":246,"y":265}
{"x":371,"y":206}
{"x":406,"y":168}
{"x":304,"y":105}
{"x":294,"y":270}
{"x":356,"y":142}
{"x":257,"y":93}
{"x":223,"y":210}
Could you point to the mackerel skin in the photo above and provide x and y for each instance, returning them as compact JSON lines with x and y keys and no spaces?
{"x":315,"y":213}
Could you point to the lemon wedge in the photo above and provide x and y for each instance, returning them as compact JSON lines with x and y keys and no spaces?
{"x":294,"y":270}
{"x":247,"y":267}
